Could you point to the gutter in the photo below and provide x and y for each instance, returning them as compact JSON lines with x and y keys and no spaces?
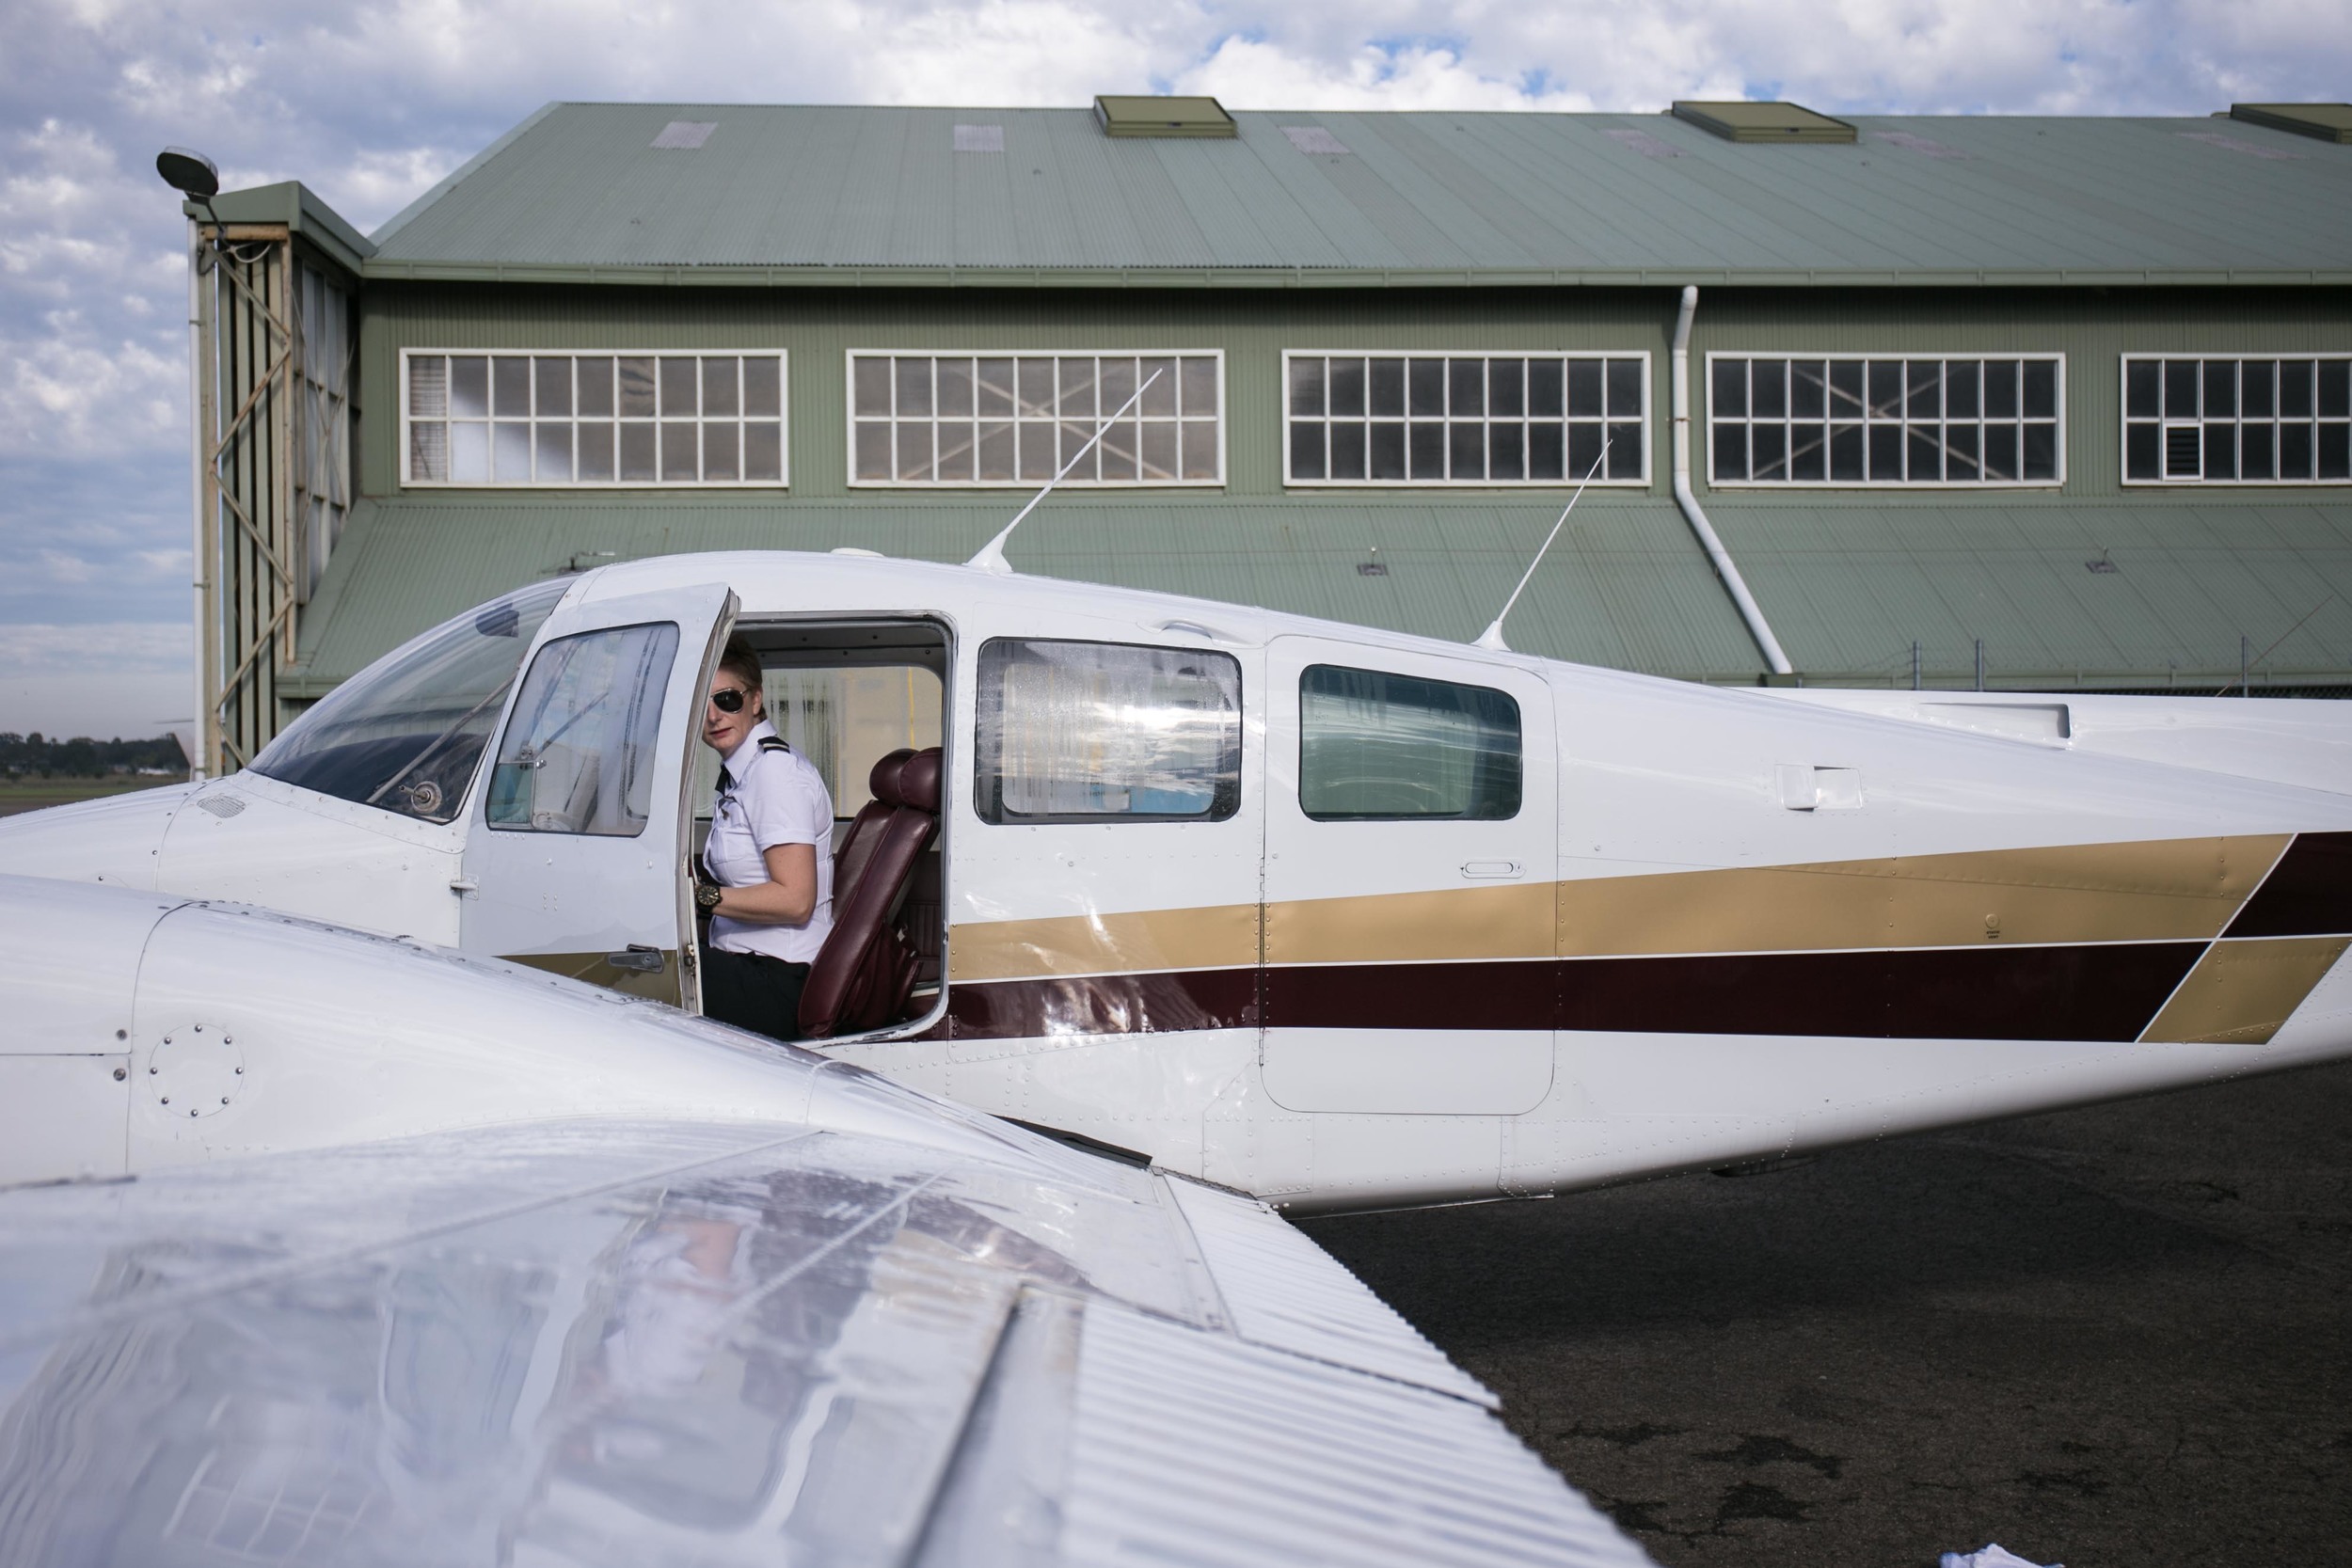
{"x":1726,"y":568}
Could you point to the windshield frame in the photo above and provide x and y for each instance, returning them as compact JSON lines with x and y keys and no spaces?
{"x":328,"y":750}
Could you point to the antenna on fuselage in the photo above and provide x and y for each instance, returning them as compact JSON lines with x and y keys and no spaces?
{"x":992,"y":556}
{"x":1491,"y":638}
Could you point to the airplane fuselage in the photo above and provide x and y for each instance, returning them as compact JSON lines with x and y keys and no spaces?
{"x":1449,"y":925}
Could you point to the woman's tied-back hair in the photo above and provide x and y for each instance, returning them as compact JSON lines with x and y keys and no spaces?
{"x":741,"y":662}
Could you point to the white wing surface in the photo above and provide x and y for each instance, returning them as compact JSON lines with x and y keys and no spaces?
{"x":881,"y":1330}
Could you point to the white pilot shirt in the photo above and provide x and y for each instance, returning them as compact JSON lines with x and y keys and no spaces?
{"x":776,"y":798}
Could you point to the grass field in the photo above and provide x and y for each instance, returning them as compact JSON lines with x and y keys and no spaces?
{"x":21,"y":795}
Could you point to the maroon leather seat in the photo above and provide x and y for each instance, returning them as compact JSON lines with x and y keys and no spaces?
{"x":865,"y":971}
{"x":858,"y":843}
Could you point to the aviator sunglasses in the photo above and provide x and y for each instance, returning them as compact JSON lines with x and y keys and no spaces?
{"x":729,"y":699}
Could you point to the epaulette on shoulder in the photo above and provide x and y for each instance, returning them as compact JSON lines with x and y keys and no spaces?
{"x":773,"y":743}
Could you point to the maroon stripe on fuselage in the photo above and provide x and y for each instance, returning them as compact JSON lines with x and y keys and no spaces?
{"x":2307,"y":894}
{"x":2105,"y":992}
{"x":1101,"y":1004}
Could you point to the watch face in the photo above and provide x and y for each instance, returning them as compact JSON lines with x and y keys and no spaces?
{"x":706,"y":896}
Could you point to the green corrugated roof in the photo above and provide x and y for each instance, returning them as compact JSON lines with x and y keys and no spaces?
{"x":782,"y":195}
{"x":1848,"y":585}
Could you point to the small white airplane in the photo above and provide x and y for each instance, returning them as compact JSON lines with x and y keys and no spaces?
{"x":361,"y":1252}
{"x":1336,"y":917}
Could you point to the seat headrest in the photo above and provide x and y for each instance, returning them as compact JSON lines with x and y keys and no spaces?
{"x":883,"y":779}
{"x":918,"y":781}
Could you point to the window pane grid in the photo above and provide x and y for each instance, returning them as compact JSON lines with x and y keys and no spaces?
{"x":2237,"y":420}
{"x":1857,"y":420}
{"x":1466,"y":419}
{"x":569,"y":420}
{"x":940,"y":419}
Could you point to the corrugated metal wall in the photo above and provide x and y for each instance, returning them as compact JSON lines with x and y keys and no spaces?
{"x":1851,"y":578}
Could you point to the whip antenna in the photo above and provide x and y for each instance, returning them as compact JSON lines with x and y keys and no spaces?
{"x":992,"y":555}
{"x":1491,"y":638}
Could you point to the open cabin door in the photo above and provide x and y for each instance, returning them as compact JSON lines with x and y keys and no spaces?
{"x":575,"y":850}
{"x":1411,"y":859}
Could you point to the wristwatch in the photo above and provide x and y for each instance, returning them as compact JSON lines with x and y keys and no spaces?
{"x":706,"y":896}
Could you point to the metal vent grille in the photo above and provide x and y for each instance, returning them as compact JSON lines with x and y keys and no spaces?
{"x":1313,"y":139}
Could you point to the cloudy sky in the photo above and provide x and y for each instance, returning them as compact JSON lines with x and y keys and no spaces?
{"x":371,"y":103}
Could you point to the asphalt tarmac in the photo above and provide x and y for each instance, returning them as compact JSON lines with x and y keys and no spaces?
{"x":2114,"y":1338}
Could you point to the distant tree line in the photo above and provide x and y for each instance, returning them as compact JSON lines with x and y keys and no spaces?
{"x":81,"y":757}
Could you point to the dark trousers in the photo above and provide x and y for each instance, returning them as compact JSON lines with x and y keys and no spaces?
{"x":754,"y":991}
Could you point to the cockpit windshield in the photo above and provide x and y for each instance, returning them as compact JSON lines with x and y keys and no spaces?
{"x":404,"y":734}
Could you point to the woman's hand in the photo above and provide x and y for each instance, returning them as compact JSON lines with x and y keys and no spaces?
{"x":787,"y":898}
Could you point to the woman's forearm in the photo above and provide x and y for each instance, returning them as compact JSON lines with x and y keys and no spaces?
{"x":768,"y":904}
{"x":789,"y":896}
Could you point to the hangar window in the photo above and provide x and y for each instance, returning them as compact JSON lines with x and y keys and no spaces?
{"x":2238,"y":422}
{"x":1102,"y":732}
{"x":1466,"y":419}
{"x":593,"y":419}
{"x":969,"y":419}
{"x":1852,"y":419}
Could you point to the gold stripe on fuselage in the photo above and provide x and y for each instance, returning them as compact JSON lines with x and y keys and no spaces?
{"x":2178,"y":888}
{"x":1222,"y":936}
{"x":2151,"y":891}
{"x":2240,"y":992}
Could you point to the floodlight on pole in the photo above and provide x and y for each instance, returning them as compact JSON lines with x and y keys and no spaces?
{"x":194,"y":176}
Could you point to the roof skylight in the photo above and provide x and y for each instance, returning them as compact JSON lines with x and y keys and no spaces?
{"x":1764,"y":123}
{"x":2327,"y":122}
{"x":1163,"y":117}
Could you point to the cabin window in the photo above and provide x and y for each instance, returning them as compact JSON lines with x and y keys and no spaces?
{"x":1103,"y":732}
{"x":974,"y":420}
{"x":599,"y":421}
{"x":1848,"y":420}
{"x":2238,"y":422}
{"x":1375,"y":747}
{"x":405,"y":734}
{"x":1467,"y":418}
{"x":578,"y":756}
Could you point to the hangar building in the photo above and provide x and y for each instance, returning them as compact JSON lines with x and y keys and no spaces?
{"x":2026,"y":403}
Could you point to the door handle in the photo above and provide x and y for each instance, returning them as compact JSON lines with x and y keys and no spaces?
{"x":1492,"y":868}
{"x":638,"y":959}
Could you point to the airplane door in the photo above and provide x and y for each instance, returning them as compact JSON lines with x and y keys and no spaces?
{"x":1106,"y":851}
{"x":575,"y":847}
{"x":1411,"y":859}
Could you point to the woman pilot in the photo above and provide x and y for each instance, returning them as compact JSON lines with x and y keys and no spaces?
{"x":768,"y":862}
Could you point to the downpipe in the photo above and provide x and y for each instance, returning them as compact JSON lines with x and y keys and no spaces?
{"x":1688,"y":500}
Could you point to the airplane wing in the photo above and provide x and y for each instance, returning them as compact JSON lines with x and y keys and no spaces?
{"x":886,"y":1330}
